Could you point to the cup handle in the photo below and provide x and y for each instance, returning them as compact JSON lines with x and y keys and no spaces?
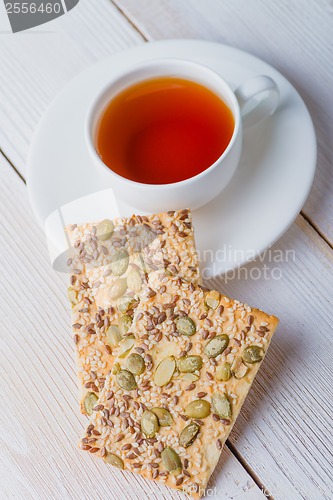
{"x":254,"y":110}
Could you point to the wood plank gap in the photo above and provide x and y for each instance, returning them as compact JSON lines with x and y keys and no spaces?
{"x":130,"y":21}
{"x":315,"y":228}
{"x":13,"y":166}
{"x":248,"y":469}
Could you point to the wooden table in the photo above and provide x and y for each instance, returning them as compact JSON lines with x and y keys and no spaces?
{"x":281,"y":446}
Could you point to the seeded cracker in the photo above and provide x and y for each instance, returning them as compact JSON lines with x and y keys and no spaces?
{"x":168,"y":407}
{"x":109,"y":263}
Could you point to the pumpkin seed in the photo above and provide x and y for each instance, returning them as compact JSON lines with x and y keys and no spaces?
{"x":134,"y":280}
{"x":125,"y":346}
{"x":221,"y":405}
{"x":189,"y":364}
{"x":149,"y":424}
{"x":216,"y":346}
{"x":164,"y":371}
{"x":212,"y":299}
{"x":188,"y":434}
{"x":236,"y":363}
{"x":116,"y":368}
{"x":185,"y":326}
{"x":238,"y":368}
{"x":136,"y":364}
{"x":114,"y":460}
{"x":125,"y":303}
{"x":164,"y":416}
{"x":252,"y":354}
{"x":241,"y":371}
{"x":72,"y":295}
{"x":199,"y":408}
{"x":105,"y":229}
{"x":126,"y":380}
{"x":171,"y":460}
{"x":189,"y":377}
{"x":124,"y":324}
{"x":113,"y":336}
{"x":223,"y":372}
{"x":90,"y":402}
{"x":118,"y":289}
{"x":119,"y":262}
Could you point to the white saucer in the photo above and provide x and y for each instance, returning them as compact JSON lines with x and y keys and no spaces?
{"x":262,"y":200}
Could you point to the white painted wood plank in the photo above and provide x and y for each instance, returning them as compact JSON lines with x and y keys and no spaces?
{"x":39,"y":415}
{"x":295,"y":37}
{"x":284,"y":430}
{"x":37,"y":64}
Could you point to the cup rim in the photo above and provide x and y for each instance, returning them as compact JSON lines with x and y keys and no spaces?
{"x":90,"y":115}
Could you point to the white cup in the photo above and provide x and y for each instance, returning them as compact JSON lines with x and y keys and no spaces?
{"x":251,"y":102}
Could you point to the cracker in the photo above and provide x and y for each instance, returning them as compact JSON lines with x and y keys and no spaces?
{"x":188,"y":321}
{"x":108,"y":269}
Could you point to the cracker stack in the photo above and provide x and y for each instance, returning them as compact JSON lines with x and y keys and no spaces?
{"x":164,"y":394}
